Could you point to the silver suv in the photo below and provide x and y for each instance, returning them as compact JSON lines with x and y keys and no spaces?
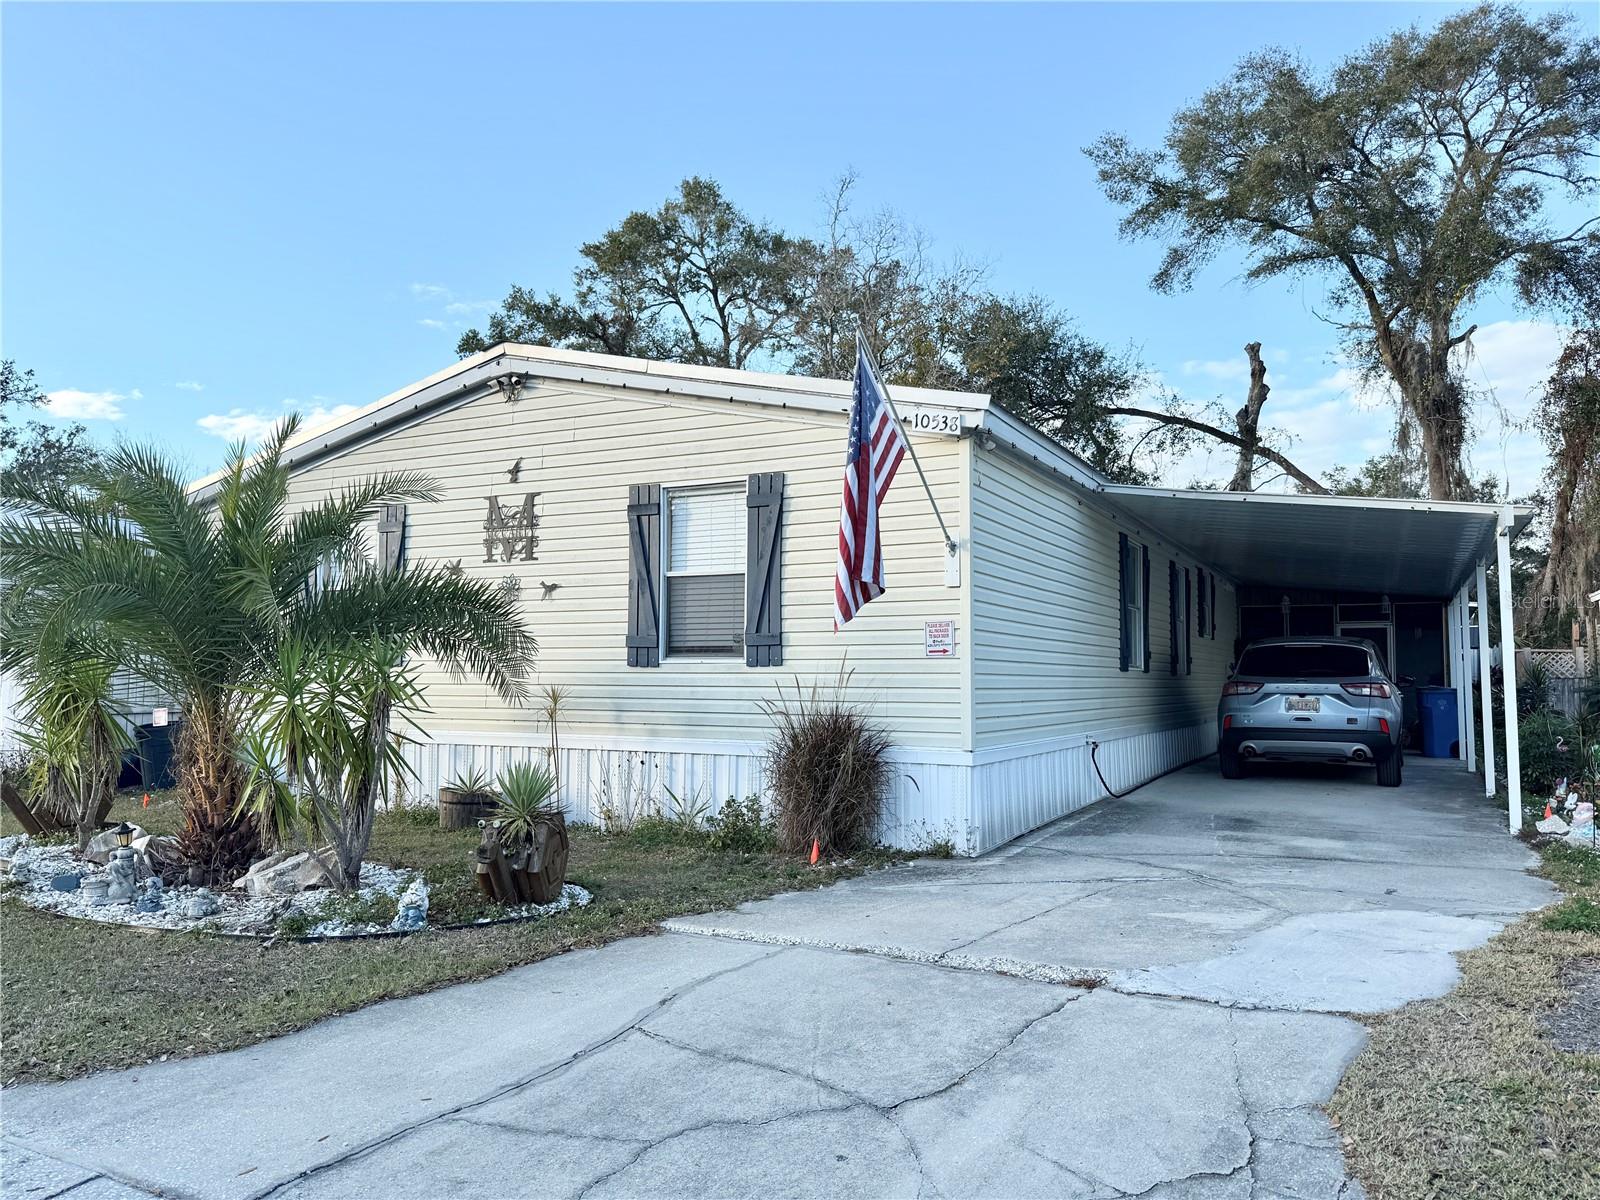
{"x":1311,"y":699}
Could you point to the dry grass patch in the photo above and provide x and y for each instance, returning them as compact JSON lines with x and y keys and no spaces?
{"x":1466,"y":1097}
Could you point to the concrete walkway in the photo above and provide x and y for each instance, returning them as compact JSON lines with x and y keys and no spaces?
{"x":1140,"y":1000}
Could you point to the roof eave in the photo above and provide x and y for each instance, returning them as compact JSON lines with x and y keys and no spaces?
{"x":476,"y":374}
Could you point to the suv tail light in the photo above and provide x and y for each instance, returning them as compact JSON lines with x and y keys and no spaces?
{"x":1380,"y":690}
{"x":1237,"y":688}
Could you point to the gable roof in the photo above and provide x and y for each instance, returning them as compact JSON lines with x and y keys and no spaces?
{"x":522,"y":362}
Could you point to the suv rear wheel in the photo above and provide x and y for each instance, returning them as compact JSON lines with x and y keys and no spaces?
{"x":1389,"y":769}
{"x":1228,"y":762}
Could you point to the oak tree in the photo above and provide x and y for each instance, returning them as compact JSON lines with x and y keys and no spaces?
{"x":695,"y":281}
{"x":1415,"y":176}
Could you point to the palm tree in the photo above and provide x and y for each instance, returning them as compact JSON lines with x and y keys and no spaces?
{"x":196,"y":595}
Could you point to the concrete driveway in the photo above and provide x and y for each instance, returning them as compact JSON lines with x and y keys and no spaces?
{"x":1140,"y":1000}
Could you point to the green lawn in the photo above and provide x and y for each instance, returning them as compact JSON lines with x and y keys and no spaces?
{"x":81,"y":996}
{"x":1464,"y":1097}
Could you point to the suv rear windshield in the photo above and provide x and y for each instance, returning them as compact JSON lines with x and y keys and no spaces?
{"x":1310,"y":661}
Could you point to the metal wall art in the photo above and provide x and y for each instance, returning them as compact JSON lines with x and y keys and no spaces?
{"x":512,"y":534}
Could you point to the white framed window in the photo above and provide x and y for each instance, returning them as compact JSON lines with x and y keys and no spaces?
{"x":1134,"y":591}
{"x":703,"y":561}
{"x":326,"y":574}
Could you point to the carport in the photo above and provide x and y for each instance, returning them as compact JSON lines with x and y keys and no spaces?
{"x":1357,"y":565}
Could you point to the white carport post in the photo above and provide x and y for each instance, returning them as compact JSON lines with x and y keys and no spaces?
{"x":1508,"y":669}
{"x":1486,"y":700}
{"x":1452,"y":658}
{"x":1469,"y":740}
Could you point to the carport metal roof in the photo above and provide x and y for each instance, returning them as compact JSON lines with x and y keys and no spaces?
{"x":1349,"y":543}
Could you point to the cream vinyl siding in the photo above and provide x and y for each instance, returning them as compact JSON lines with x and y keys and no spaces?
{"x":581,"y":447}
{"x":1045,"y":617}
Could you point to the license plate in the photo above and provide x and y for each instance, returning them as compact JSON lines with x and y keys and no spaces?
{"x":1304,"y":704}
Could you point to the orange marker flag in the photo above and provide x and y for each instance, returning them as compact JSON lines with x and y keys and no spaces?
{"x":816,"y":851}
{"x":147,"y":800}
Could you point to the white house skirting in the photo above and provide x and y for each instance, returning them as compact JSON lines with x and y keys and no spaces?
{"x":1021,"y":787}
{"x":975,"y":801}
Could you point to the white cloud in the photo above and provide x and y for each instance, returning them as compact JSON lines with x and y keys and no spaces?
{"x":430,"y":323}
{"x":74,"y":405}
{"x":1226,"y":368}
{"x":237,"y":424}
{"x":431,"y":291}
{"x":251,"y":426}
{"x":463,"y":308}
{"x":189,"y":385}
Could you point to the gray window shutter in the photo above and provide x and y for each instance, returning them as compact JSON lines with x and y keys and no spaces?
{"x":1144,"y":564}
{"x":1173,"y":613}
{"x":1212,"y":581}
{"x":391,"y":537}
{"x":1188,"y":649}
{"x":763,"y":571}
{"x":1200,"y":600}
{"x":644,"y":548}
{"x":1122,"y":602}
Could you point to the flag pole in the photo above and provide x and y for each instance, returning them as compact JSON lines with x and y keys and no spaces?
{"x":877,"y":373}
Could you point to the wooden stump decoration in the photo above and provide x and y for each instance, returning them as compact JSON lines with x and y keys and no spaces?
{"x":529,"y":872}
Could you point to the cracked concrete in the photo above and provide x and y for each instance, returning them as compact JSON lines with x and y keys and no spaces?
{"x":910,"y":1033}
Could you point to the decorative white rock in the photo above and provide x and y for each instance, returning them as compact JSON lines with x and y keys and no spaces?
{"x":102,"y":844}
{"x":288,"y":875}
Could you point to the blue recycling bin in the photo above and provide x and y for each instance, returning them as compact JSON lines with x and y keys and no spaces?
{"x":1437,"y":709}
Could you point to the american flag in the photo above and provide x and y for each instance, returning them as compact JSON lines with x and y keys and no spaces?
{"x":876,"y":449}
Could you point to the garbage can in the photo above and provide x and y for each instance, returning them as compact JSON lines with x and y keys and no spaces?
{"x":1437,"y":707}
{"x":155,"y":755}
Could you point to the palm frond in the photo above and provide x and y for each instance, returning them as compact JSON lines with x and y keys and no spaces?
{"x":336,"y":521}
{"x":468,"y":625}
{"x":147,"y":489}
{"x":254,"y":489}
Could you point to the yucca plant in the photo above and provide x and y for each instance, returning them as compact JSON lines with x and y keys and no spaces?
{"x":196,"y":593}
{"x":74,"y":729}
{"x":329,"y":724}
{"x":526,"y":797}
{"x":473,"y":781}
{"x":552,"y":707}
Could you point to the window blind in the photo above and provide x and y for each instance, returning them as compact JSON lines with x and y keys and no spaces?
{"x":706,"y":531}
{"x":705,"y":614}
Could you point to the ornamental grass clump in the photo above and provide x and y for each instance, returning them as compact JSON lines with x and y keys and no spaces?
{"x":828,"y":768}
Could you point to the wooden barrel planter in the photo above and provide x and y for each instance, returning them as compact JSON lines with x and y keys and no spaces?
{"x":463,"y":810}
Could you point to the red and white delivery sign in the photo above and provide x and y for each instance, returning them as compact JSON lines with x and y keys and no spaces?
{"x":938,"y":639}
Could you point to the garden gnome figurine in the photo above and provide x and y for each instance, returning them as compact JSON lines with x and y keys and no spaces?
{"x":121,"y":867}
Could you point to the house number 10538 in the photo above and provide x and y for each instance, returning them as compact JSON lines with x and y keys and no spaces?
{"x":927,"y":420}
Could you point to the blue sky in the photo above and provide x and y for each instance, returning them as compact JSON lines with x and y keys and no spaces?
{"x":214,"y":212}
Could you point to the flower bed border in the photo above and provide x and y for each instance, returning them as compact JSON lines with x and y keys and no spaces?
{"x":233,"y":935}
